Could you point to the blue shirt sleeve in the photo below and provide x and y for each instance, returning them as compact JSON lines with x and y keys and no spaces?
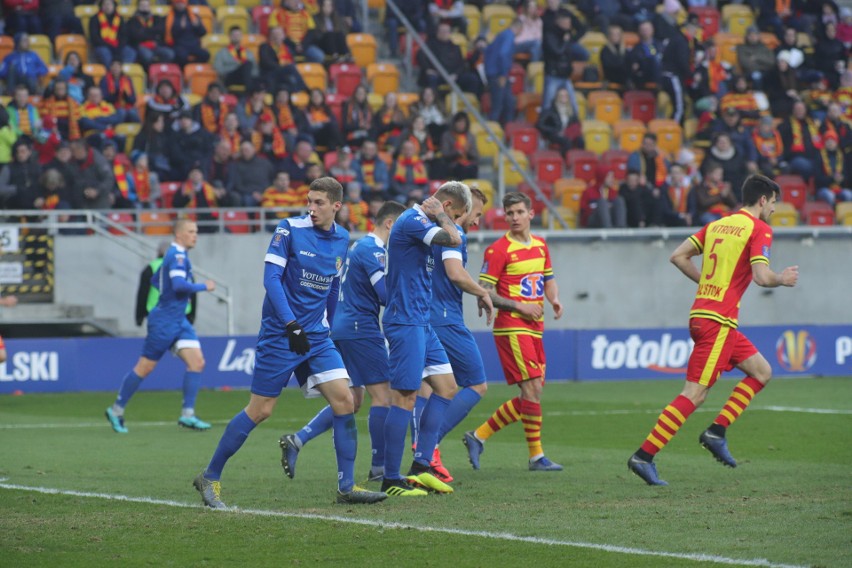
{"x":420,"y":228}
{"x":273,"y":272}
{"x":177,"y":273}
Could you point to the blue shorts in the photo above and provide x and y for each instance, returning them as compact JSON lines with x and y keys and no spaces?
{"x":415,"y":353}
{"x":366,"y":360}
{"x":165,"y":335}
{"x":274,"y":363}
{"x":461,"y":348}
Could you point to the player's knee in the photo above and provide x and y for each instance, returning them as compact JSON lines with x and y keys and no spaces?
{"x":196,"y":365}
{"x":480,"y":389}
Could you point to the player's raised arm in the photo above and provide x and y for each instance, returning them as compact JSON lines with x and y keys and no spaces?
{"x":682,"y":258}
{"x":449,"y":235}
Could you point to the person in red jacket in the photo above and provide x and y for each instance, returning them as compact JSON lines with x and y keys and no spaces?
{"x":600,"y":205}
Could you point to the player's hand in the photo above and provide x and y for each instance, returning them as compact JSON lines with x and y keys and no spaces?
{"x":485,"y":303}
{"x":557,"y":309}
{"x":210,"y":285}
{"x":298,"y":339}
{"x":432,"y":207}
{"x":790,"y":276}
{"x":531,"y":311}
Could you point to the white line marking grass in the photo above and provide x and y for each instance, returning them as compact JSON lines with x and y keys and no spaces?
{"x":401,"y":526}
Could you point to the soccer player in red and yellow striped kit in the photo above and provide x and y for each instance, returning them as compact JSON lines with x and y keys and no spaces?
{"x":518,"y":274}
{"x":735,"y":251}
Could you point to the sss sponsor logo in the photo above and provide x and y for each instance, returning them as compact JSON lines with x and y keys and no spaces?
{"x":532,"y":286}
{"x":31,"y":366}
{"x":237,"y":362}
{"x":796,"y":350}
{"x":663,"y":355}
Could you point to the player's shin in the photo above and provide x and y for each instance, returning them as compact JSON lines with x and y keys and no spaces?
{"x":232,"y":440}
{"x":376,"y":423}
{"x":322,"y":422}
{"x":508,"y":413}
{"x":396,"y":427}
{"x":191,"y":386}
{"x":739,"y":400}
{"x":668,"y":423}
{"x":345,"y":447}
{"x":430,"y":425}
{"x":459,"y":408}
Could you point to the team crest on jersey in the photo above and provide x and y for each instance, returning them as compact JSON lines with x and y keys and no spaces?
{"x":514,"y":257}
{"x":484,"y":269}
{"x":380,"y":257}
{"x":179,"y":259}
{"x":423,"y":220}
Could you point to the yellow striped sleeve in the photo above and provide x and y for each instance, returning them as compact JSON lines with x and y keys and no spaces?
{"x":488,"y":278}
{"x":696,"y":243}
{"x":759,"y":260}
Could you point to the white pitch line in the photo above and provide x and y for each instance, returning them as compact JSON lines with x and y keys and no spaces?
{"x":762,"y":562}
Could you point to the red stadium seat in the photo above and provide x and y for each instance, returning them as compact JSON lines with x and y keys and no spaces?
{"x":495,"y":219}
{"x":329,"y":160}
{"x":126,"y":220}
{"x":547,"y":165}
{"x":794,"y":190}
{"x":517,"y":78}
{"x":335,"y":102}
{"x":583,"y":164}
{"x":168,"y":190}
{"x":435,"y":184}
{"x":708,"y":19}
{"x":346,"y":77}
{"x":237,"y":222}
{"x":818,"y":213}
{"x":260,"y":15}
{"x":640,"y":105}
{"x":538,"y":204}
{"x":169,"y":71}
{"x":618,"y":159}
{"x":522,"y":137}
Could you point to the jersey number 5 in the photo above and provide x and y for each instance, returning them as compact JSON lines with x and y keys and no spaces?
{"x":714,"y":257}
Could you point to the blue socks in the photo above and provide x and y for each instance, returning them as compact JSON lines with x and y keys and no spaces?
{"x":396,"y":427}
{"x":232,"y":440}
{"x":320,"y":423}
{"x":345,"y":447}
{"x":376,"y":423}
{"x":416,"y":416}
{"x":430,"y":426}
{"x":128,"y":387}
{"x":459,"y":408}
{"x":191,"y":385}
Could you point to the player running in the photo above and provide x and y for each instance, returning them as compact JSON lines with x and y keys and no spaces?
{"x":168,"y":328}
{"x":518,"y":274}
{"x":735,"y":250}
{"x":358,"y":337}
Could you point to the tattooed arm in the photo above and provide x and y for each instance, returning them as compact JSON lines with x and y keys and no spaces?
{"x":529,"y":311}
{"x":449,"y":235}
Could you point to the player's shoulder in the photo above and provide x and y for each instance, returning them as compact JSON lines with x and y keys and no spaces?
{"x":501,"y":245}
{"x":299,"y":223}
{"x":538,"y":241}
{"x":340,"y":233}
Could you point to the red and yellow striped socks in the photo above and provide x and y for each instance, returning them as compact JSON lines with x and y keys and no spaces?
{"x":508,"y":413}
{"x":739,"y":401}
{"x":669,"y":422}
{"x":531,"y":418}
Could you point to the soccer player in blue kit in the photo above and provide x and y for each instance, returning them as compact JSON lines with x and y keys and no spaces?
{"x":415,"y":351}
{"x":168,"y":328}
{"x":302,"y":270}
{"x":357,"y":335}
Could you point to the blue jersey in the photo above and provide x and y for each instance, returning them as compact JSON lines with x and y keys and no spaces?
{"x":357,"y":314}
{"x":410,"y":263}
{"x":446,"y":296}
{"x":175,"y":282}
{"x":311,"y":260}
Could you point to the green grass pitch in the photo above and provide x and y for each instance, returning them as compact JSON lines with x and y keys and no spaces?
{"x":789,"y":502}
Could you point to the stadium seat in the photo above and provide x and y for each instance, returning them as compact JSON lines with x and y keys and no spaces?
{"x":452,"y":103}
{"x":137,"y":76}
{"x":84,"y":13}
{"x":669,"y":134}
{"x":7,"y":46}
{"x":126,"y":11}
{"x":538,"y":204}
{"x":487,"y":148}
{"x":618,"y":160}
{"x":43,"y":47}
{"x":248,"y":4}
{"x":511,"y":175}
{"x":335,"y":103}
{"x":547,"y":165}
{"x":158,"y":222}
{"x":605,"y":105}
{"x":794,"y":190}
{"x":237,"y":222}
{"x":66,"y":43}
{"x":384,"y":78}
{"x":737,"y":17}
{"x":497,"y":17}
{"x":585,"y":167}
{"x":126,"y":220}
{"x":165,"y":71}
{"x":726,"y":47}
{"x":345,"y":77}
{"x":818,"y":213}
{"x":708,"y":19}
{"x":474,"y":20}
{"x":160,"y":10}
{"x":522,"y":136}
{"x":629,"y":134}
{"x":260,"y":16}
{"x":597,"y":136}
{"x":568,"y":192}
{"x":205,"y":14}
{"x":485,"y":186}
{"x":213,"y":43}
{"x":198,"y":76}
{"x":314,"y":75}
{"x":641,"y":105}
{"x":529,"y":105}
{"x":517,"y":78}
{"x":218,"y":3}
{"x":843,"y":212}
{"x":594,"y":42}
{"x":785,"y":215}
{"x":460,"y":40}
{"x":406,"y":100}
{"x":229,"y":16}
{"x":495,"y":219}
{"x":535,"y":76}
{"x":566,"y":213}
{"x":363,"y":48}
{"x":252,"y":42}
{"x":167,"y":192}
{"x":129,"y":130}
{"x":95,"y":70}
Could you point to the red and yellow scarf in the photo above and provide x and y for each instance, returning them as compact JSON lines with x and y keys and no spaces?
{"x":829,"y":170}
{"x":238,"y":53}
{"x":123,"y":89}
{"x":417,"y":168}
{"x":798,"y":143}
{"x":188,"y":189}
{"x":460,"y":144}
{"x":279,"y":147}
{"x":285,"y":117}
{"x":120,"y":172}
{"x":679,"y":196}
{"x":768,"y":147}
{"x":64,"y":109}
{"x":234,"y":140}
{"x":109,"y":28}
{"x":142,"y":179}
{"x":213,"y":116}
{"x":368,"y":169}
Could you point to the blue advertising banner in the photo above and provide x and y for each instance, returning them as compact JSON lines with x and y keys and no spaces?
{"x":99,"y":364}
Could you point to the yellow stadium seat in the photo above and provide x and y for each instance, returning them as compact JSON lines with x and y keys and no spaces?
{"x":84,"y":13}
{"x":726,"y":47}
{"x":213,"y":43}
{"x":300,"y":99}
{"x":535,"y":76}
{"x":156,"y":222}
{"x":484,"y":144}
{"x":568,"y":191}
{"x":474,"y":20}
{"x":198,"y":76}
{"x":229,"y":16}
{"x":669,"y":134}
{"x":126,"y":11}
{"x":384,"y":77}
{"x":129,"y":130}
{"x":253,"y":42}
{"x":137,"y":75}
{"x":606,"y":106}
{"x":785,"y":215}
{"x":453,"y":103}
{"x":96,"y":71}
{"x":497,"y":18}
{"x":594,"y":42}
{"x":511,"y":175}
{"x":193,"y":100}
{"x":314,"y":75}
{"x":485,"y":187}
{"x":597,"y":136}
{"x":568,"y":215}
{"x":738,"y":23}
{"x":43,"y":47}
{"x":376,"y":4}
{"x":247,"y":4}
{"x":66,"y":43}
{"x":405,"y":100}
{"x":375,"y":100}
{"x":363,"y":48}
{"x":629,"y":134}
{"x":214,"y":4}
{"x":205,"y":14}
{"x":843,"y":213}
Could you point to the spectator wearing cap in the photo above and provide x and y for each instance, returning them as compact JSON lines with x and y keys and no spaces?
{"x":498,"y":64}
{"x":188,"y":145}
{"x":649,"y":162}
{"x":372,"y":171}
{"x":769,"y":148}
{"x":254,"y":106}
{"x":342,"y":170}
{"x":832,"y":175}
{"x":97,"y":114}
{"x":63,"y":109}
{"x":22,"y":66}
{"x":196,"y":193}
{"x":754,"y":57}
{"x":22,"y":17}
{"x":802,"y":141}
{"x":250,"y":175}
{"x":108,"y":35}
{"x":210,"y":113}
{"x":299,"y":28}
{"x":117,"y":89}
{"x":410,"y":179}
{"x":167,"y":101}
{"x":268,"y":141}
{"x":146,"y":34}
{"x":183,"y":32}
{"x":234,"y":63}
{"x":93,"y":178}
{"x":278,"y":65}
{"x":124,"y":187}
{"x":601,"y":206}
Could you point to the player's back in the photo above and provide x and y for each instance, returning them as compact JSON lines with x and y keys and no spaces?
{"x":729,"y":247}
{"x":447,"y":307}
{"x":357,"y":314}
{"x":172,"y":303}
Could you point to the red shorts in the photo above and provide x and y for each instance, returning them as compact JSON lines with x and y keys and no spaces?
{"x":522,"y":357}
{"x":2,"y":344}
{"x":718,"y":348}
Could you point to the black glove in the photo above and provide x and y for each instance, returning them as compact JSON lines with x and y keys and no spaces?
{"x":299,"y":343}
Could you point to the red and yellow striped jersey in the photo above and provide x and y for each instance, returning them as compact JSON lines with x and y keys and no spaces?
{"x":729,"y":247}
{"x":519,"y":272}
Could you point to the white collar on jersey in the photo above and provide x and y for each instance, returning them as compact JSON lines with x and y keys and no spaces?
{"x":378,"y":239}
{"x":178,"y":247}
{"x":419,"y":209}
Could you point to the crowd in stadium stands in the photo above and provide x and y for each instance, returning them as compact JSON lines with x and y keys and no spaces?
{"x":629,"y":113}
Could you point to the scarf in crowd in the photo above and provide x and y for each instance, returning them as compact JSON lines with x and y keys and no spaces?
{"x":24,"y":121}
{"x":659,"y":168}
{"x":460,"y":144}
{"x":358,"y":216}
{"x":271,"y":146}
{"x":109,"y":28}
{"x":714,"y":190}
{"x":123,"y":181}
{"x":206,"y":189}
{"x":386,"y":118}
{"x":829,"y":169}
{"x":296,"y":24}
{"x":121,"y":90}
{"x":238,"y":53}
{"x":233,"y":139}
{"x":285,"y":117}
{"x":318,"y":114}
{"x":679,"y":196}
{"x":51,"y":201}
{"x":798,"y":144}
{"x":843,"y":95}
{"x":368,"y":170}
{"x":66,"y":112}
{"x":285,"y":56}
{"x":142,"y":180}
{"x":422,"y":147}
{"x":213,"y":116}
{"x":146,"y":21}
{"x":103,"y":109}
{"x":771,"y":147}
{"x":412,"y":168}
{"x":716,"y":73}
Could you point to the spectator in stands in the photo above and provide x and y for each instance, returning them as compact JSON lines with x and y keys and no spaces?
{"x":417,"y":134}
{"x":277,"y":64}
{"x":93,"y":178}
{"x":790,"y":47}
{"x":735,"y":165}
{"x":232,"y":133}
{"x":782,"y":86}
{"x":635,"y":196}
{"x":254,"y":106}
{"x":450,"y":12}
{"x":61,"y":162}
{"x":742,"y":98}
{"x":601,"y":207}
{"x":834,"y":120}
{"x":212,"y":110}
{"x":250,"y":175}
{"x":97,"y":114}
{"x":498,"y":64}
{"x":472,"y":79}
{"x":768,"y":147}
{"x":802,"y":141}
{"x":268,"y":141}
{"x":357,"y":210}
{"x":447,"y":52}
{"x":529,"y":37}
{"x":146,"y":34}
{"x":24,"y":117}
{"x":713,"y":196}
{"x":754,"y":57}
{"x":24,"y":172}
{"x":62,"y":109}
{"x":343,"y":170}
{"x":559,"y":125}
{"x":427,"y":107}
{"x":280,"y":194}
{"x":410,"y":179}
{"x":299,"y":161}
{"x":372,"y":171}
{"x":235,"y":64}
{"x":188,"y":145}
{"x":290,"y":118}
{"x":558,"y":55}
{"x":771,"y":15}
{"x":108,"y":35}
{"x":168,"y":102}
{"x":553,"y":11}
{"x":347,"y":10}
{"x":322,"y":125}
{"x":196,"y":193}
{"x":637,"y":12}
{"x":676,"y":65}
{"x":832,"y":177}
{"x":712,"y":76}
{"x":649,"y":161}
{"x":844,"y":26}
{"x":357,"y":117}
{"x":614,"y":58}
{"x":331,"y":33}
{"x":117,"y":89}
{"x":124,"y":188}
{"x":644,"y":60}
{"x":153,"y":141}
{"x":45,"y":148}
{"x":50,"y":194}
{"x":22,"y":17}
{"x":458,"y":149}
{"x":388,"y":123}
{"x":183,"y":32}
{"x":219,"y":171}
{"x":146,"y":182}
{"x":731,"y":124}
{"x":830,"y":56}
{"x":668,"y":205}
{"x":299,"y":28}
{"x":79,"y":82}
{"x":415,"y":12}
{"x":57,"y":17}
{"x":817,"y":96}
{"x":22,"y":66}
